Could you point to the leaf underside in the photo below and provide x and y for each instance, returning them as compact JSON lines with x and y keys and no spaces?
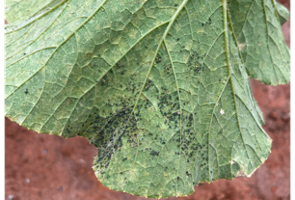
{"x":160,"y":87}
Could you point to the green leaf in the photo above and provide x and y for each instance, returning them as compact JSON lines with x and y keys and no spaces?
{"x":283,"y":13}
{"x":259,"y":36}
{"x":159,"y":87}
{"x":17,"y":10}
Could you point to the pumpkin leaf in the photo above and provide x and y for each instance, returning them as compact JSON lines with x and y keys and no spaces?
{"x":160,"y":87}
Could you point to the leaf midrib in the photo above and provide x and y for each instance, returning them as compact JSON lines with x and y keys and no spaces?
{"x":225,"y":20}
{"x":171,"y":22}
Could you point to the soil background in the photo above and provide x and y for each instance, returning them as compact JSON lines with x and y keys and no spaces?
{"x":39,"y":166}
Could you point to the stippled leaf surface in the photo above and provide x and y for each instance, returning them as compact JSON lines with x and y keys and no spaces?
{"x":160,"y":87}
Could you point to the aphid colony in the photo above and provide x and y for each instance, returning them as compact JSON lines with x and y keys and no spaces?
{"x":118,"y":120}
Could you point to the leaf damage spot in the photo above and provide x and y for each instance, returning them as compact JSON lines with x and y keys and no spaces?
{"x":241,"y":174}
{"x":241,"y":46}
